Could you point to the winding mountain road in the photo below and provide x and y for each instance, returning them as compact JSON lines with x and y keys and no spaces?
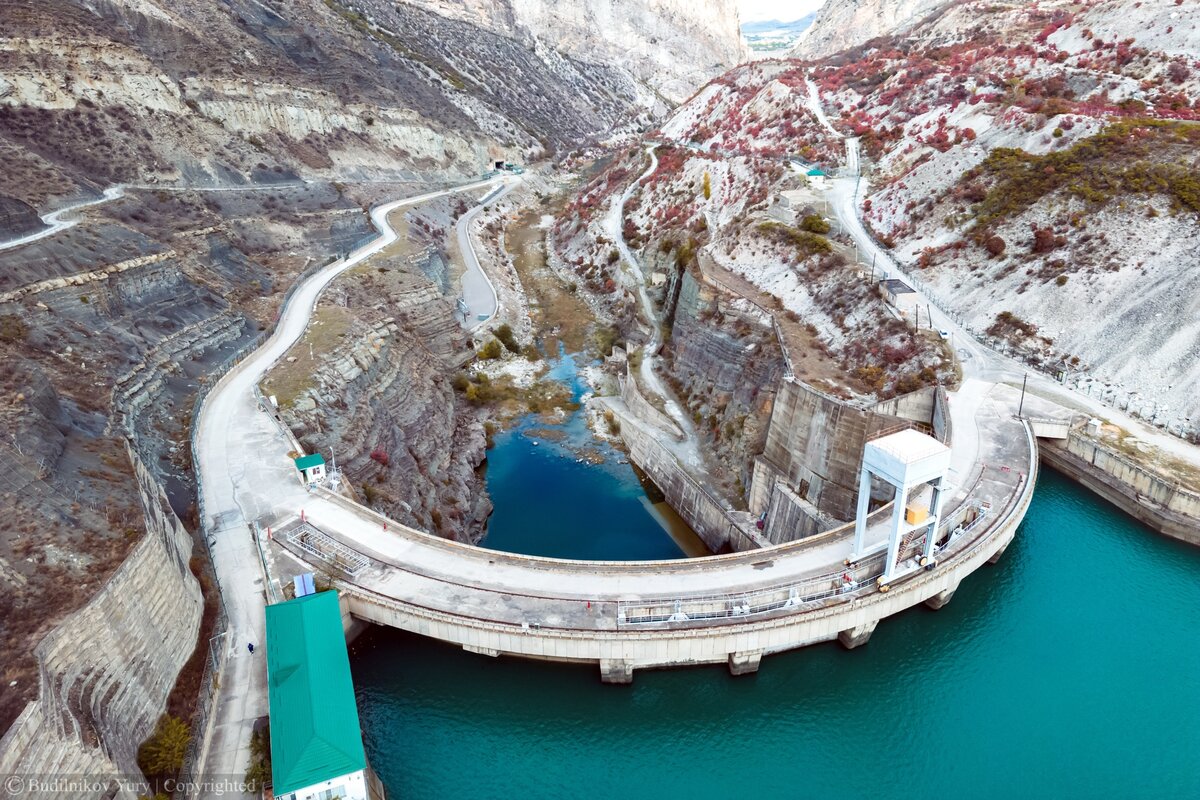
{"x":979,"y":361}
{"x":478,"y":292}
{"x":241,"y":480}
{"x":688,"y":451}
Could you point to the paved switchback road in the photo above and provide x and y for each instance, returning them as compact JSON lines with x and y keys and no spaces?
{"x":241,"y":480}
{"x":979,"y":361}
{"x":687,"y":451}
{"x":477,"y":290}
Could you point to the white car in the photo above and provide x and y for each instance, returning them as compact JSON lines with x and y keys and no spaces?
{"x":944,"y":334}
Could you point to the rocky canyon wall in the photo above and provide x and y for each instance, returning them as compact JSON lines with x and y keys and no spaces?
{"x":671,"y":46}
{"x":107,"y":669}
{"x":841,"y":24}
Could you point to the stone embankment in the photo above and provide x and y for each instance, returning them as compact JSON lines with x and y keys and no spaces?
{"x":1168,"y":507}
{"x":107,"y":669}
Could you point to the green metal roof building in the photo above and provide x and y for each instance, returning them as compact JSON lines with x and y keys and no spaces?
{"x":309,"y":461}
{"x":315,"y":736}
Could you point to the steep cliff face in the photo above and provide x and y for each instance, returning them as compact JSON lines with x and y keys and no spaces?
{"x":371,"y":383}
{"x":105,"y":672}
{"x":725,"y":363}
{"x":841,"y":24}
{"x":383,"y":403}
{"x":671,"y":46}
{"x":93,"y":93}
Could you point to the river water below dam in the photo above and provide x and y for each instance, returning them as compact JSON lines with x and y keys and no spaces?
{"x":560,"y":492}
{"x":1069,"y":669}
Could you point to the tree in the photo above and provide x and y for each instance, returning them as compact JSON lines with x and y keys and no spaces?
{"x":162,"y":754}
{"x":995,"y":245}
{"x":707,"y":186}
{"x":505,"y":334}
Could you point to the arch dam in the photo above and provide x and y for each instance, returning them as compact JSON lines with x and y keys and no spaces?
{"x":623,"y":616}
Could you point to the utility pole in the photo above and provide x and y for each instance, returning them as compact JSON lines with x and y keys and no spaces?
{"x":1021,"y":407}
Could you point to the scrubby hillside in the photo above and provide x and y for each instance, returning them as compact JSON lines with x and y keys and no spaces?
{"x":314,"y":110}
{"x":1031,"y":160}
{"x":105,"y":92}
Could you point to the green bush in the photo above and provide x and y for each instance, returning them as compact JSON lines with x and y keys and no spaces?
{"x":1132,"y":156}
{"x":259,"y":773}
{"x":490,"y":351}
{"x":161,"y":756}
{"x":806,"y":243}
{"x":605,"y":338}
{"x":505,"y":334}
{"x":814,"y":223}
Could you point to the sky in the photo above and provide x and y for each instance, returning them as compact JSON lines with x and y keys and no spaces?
{"x":782,"y":10}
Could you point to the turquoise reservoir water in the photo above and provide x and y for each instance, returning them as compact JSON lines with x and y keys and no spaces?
{"x":1069,"y":669}
{"x":559,"y":492}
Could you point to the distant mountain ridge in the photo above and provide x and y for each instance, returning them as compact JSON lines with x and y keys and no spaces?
{"x":841,"y":24}
{"x":95,"y":93}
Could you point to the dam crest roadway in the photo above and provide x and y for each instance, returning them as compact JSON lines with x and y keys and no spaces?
{"x":622,"y":616}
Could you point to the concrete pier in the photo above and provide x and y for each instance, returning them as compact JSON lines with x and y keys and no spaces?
{"x":744,"y":663}
{"x":616,"y":671}
{"x":941,"y":598}
{"x":858,"y":635}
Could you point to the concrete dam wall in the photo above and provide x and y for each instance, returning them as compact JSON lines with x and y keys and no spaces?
{"x":107,"y":669}
{"x":815,"y":445}
{"x":722,"y":530}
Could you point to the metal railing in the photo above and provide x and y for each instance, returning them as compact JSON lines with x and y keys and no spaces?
{"x":749,"y":604}
{"x":795,"y":594}
{"x":209,"y":684}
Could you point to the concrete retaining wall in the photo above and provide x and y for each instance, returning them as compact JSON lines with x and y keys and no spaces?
{"x":1166,"y":507}
{"x":107,"y":669}
{"x":641,"y":408}
{"x":916,"y":406}
{"x":791,"y":517}
{"x":721,"y":530}
{"x":816,"y":443}
{"x":943,"y":428}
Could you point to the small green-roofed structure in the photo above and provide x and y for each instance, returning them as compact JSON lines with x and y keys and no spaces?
{"x":315,"y":734}
{"x":311,"y":467}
